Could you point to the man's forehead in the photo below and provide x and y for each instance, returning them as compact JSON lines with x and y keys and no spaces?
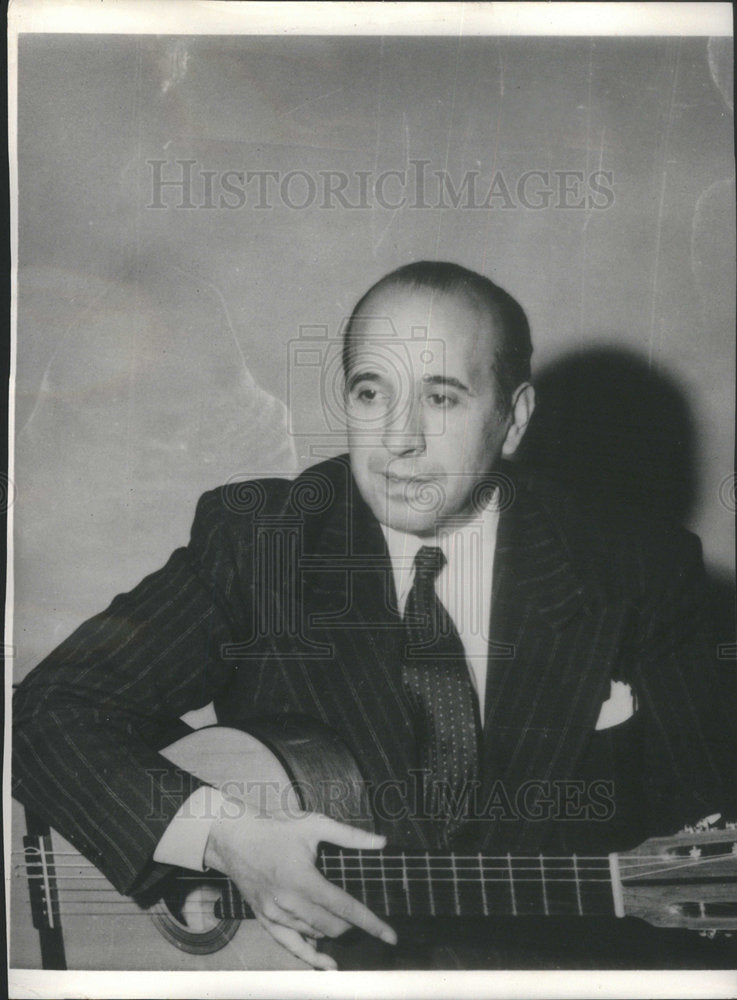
{"x":420,"y":303}
{"x":411,"y":315}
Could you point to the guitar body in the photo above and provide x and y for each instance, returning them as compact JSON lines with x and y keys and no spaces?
{"x":294,"y":763}
{"x":288,"y":763}
{"x":121,"y":935}
{"x":101,"y":928}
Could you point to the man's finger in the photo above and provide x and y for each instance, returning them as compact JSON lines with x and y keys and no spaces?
{"x":305,"y":916}
{"x":306,"y":927}
{"x":343,"y":835}
{"x":297,"y":945}
{"x":325,"y":922}
{"x":338,"y":902}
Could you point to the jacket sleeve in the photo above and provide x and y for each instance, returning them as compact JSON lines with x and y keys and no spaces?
{"x":89,"y":719}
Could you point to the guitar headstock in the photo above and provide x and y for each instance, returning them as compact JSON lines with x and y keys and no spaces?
{"x":686,"y":880}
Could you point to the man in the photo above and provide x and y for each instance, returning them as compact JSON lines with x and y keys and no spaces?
{"x":572,"y":690}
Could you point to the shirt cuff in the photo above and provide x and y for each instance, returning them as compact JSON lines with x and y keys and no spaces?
{"x":185,"y":838}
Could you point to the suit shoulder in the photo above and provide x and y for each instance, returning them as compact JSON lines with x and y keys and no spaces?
{"x":234,"y":502}
{"x":605,"y":538}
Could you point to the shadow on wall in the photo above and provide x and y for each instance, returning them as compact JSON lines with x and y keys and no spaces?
{"x":621,"y":433}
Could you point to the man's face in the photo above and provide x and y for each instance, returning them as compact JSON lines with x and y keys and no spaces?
{"x":425,"y":422}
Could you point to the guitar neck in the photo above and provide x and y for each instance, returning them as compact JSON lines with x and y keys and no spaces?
{"x":415,"y":884}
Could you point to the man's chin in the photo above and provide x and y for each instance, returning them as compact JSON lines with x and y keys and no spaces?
{"x":402,"y":517}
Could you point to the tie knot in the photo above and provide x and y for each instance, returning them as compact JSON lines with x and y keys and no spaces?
{"x":428,"y":562}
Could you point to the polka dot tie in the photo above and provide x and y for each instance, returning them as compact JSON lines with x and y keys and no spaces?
{"x":437,"y":681}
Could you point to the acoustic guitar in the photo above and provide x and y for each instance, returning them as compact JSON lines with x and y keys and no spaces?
{"x":688,"y":880}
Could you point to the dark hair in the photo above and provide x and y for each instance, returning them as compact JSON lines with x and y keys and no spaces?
{"x":514,"y":349}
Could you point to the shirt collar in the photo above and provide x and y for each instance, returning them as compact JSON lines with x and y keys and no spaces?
{"x":403,"y":546}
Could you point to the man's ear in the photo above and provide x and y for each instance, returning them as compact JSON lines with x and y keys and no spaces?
{"x":523,"y":405}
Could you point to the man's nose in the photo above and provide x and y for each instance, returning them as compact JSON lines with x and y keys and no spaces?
{"x":403,"y":432}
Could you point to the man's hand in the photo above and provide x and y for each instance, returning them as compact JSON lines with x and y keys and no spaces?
{"x":271,"y":859}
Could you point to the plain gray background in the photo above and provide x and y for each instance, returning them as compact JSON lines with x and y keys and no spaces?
{"x":154,"y":345}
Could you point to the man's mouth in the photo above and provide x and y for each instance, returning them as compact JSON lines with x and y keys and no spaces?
{"x":393,"y":477}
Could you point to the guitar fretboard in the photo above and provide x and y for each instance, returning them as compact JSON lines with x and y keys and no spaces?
{"x":414,"y":883}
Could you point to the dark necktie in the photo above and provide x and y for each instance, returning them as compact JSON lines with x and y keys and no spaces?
{"x":435,"y":674}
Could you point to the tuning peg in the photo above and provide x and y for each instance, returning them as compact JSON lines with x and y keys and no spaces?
{"x":707,"y":821}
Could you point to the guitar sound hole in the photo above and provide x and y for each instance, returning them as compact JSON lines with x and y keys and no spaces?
{"x":194,"y":908}
{"x":185,"y":915}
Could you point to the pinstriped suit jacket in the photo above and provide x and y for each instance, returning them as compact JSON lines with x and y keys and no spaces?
{"x":283,"y":602}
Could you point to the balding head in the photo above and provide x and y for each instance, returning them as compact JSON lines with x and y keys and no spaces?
{"x":512,"y":347}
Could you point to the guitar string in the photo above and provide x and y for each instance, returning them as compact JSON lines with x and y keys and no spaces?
{"x":370,"y":887}
{"x":198,"y":907}
{"x":708,"y":923}
{"x":352,"y":866}
{"x":573,"y":911}
{"x":399,"y":861}
{"x":64,"y":906}
{"x":73,"y":882}
{"x":393,"y":866}
{"x":360,"y":867}
{"x":439,"y":859}
{"x":115,"y":907}
{"x":449,"y":880}
{"x":338,"y":873}
{"x":333,"y":868}
{"x":120,"y":906}
{"x":420,"y":855}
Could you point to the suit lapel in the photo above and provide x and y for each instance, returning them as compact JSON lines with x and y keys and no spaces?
{"x":350,"y":603}
{"x":553,"y":640}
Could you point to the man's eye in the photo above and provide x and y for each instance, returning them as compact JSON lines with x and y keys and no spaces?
{"x":367,"y":395}
{"x":442,"y":401}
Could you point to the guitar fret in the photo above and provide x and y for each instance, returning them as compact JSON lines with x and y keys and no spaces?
{"x":596,"y":893}
{"x":361,"y":875}
{"x":544,"y":890}
{"x":342,"y":871}
{"x":511,"y":885}
{"x":429,"y":885}
{"x":578,"y":885}
{"x":383,"y":885}
{"x":616,"y":885}
{"x":482,"y":883}
{"x":527,"y":885}
{"x":455,"y":885}
{"x":405,"y":885}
